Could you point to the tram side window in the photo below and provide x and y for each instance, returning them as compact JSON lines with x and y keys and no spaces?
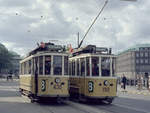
{"x":25,"y":68}
{"x":32,"y":67}
{"x":95,"y":66}
{"x":77,"y":67}
{"x":36,"y":66}
{"x":41,"y":65}
{"x":69,"y":68}
{"x":29,"y":69}
{"x":73,"y":68}
{"x":87,"y":67}
{"x":21,"y":71}
{"x":82,"y":67}
{"x":105,"y":64}
{"x":57,"y":65}
{"x":113,"y":67}
{"x":47,"y":65}
{"x":66,"y":65}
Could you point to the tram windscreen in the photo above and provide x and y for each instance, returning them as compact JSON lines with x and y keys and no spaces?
{"x":41,"y":65}
{"x":47,"y":65}
{"x":82,"y":66}
{"x":105,"y":65}
{"x":57,"y":61}
{"x":88,"y":66}
{"x":95,"y":66}
{"x":66,"y":65}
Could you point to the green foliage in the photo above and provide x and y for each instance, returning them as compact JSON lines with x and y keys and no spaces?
{"x":5,"y":58}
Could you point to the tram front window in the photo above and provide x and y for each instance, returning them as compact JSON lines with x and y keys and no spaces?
{"x":57,"y":65}
{"x":41,"y":65}
{"x":95,"y":66}
{"x":82,"y":67}
{"x":47,"y":65}
{"x":66,"y":65}
{"x":105,"y":64}
{"x":88,"y":66}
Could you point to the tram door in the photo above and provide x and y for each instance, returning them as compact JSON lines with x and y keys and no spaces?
{"x":36,"y":76}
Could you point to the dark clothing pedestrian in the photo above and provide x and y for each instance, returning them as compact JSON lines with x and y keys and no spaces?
{"x":124,"y":80}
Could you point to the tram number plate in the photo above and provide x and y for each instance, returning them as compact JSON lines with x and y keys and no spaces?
{"x":106,"y":89}
{"x":43,"y":85}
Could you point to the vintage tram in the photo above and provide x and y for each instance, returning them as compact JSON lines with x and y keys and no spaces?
{"x":44,"y":73}
{"x":92,"y":77}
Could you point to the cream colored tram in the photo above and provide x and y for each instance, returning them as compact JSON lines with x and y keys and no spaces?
{"x":44,"y":73}
{"x":91,"y":71}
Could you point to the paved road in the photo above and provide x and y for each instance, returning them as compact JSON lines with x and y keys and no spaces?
{"x":12,"y":102}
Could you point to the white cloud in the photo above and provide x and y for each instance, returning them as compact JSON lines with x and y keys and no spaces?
{"x":26,"y":22}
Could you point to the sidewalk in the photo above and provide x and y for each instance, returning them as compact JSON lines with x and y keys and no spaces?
{"x":133,"y":90}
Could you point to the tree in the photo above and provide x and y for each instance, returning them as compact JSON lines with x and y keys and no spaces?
{"x":5,"y":58}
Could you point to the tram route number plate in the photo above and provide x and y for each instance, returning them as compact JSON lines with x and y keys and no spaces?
{"x":106,"y":89}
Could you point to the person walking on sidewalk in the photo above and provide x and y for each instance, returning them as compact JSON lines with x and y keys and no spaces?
{"x":124,"y":80}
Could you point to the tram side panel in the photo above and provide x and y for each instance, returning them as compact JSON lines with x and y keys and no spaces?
{"x":50,"y":87}
{"x":25,"y":83}
{"x":94,"y":87}
{"x":102,"y":87}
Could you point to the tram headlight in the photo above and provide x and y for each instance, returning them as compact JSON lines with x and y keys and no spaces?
{"x":106,"y":83}
{"x":57,"y":80}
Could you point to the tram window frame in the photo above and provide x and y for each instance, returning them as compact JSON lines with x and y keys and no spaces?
{"x":66,"y":63}
{"x":21,"y":70}
{"x":29,"y":65}
{"x":32,"y":66}
{"x":70,"y":68}
{"x":87,"y":66}
{"x":78,"y":67}
{"x":73,"y":68}
{"x":47,"y":64}
{"x":41,"y":65}
{"x":36,"y":67}
{"x":25,"y":70}
{"x":55,"y":60}
{"x":95,"y":66}
{"x":103,"y":69}
{"x":113,"y":67}
{"x":82,"y":67}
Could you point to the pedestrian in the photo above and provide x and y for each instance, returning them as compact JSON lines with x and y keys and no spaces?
{"x":124,"y":80}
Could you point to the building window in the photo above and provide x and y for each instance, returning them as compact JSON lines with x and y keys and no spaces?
{"x":146,"y":61}
{"x":141,"y":61}
{"x":137,"y":61}
{"x":141,"y":54}
{"x":146,"y":54}
{"x":137,"y":54}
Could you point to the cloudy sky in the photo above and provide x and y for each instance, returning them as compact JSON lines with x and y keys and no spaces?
{"x":122,"y":24}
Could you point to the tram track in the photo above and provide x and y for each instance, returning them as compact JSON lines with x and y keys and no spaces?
{"x":119,"y":108}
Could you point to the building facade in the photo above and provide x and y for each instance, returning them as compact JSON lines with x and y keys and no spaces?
{"x":134,"y":63}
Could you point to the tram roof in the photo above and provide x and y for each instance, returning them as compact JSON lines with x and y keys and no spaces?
{"x":92,"y":50}
{"x":47,"y":47}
